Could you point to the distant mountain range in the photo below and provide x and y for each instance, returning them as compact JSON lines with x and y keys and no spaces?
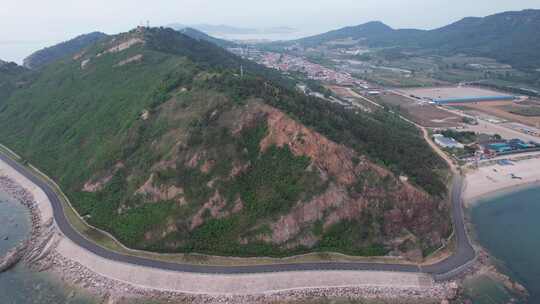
{"x":510,"y":37}
{"x":67,"y":48}
{"x":231,"y":30}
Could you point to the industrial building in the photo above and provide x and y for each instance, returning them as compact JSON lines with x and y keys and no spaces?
{"x":509,"y":147}
{"x":459,"y":94}
{"x":474,"y":99}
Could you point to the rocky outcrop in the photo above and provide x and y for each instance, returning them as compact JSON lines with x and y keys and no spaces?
{"x":122,"y":45}
{"x":97,"y":184}
{"x":135,"y":58}
{"x":288,"y":226}
{"x":214,"y":208}
{"x":334,"y":159}
{"x":85,"y":63}
{"x":12,"y":257}
{"x":410,"y":209}
{"x":156,"y":193}
{"x":41,"y":240}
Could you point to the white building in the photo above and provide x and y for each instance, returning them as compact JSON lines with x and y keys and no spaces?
{"x":447,"y":142}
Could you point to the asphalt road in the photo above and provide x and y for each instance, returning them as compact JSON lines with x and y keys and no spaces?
{"x":443,"y":270}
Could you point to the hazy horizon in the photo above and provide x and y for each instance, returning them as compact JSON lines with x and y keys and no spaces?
{"x":49,"y":22}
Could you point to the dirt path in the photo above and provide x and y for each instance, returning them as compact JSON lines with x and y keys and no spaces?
{"x":425,"y":133}
{"x":438,"y":150}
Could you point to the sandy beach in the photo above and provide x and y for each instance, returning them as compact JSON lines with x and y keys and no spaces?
{"x":492,"y":177}
{"x":51,"y":251}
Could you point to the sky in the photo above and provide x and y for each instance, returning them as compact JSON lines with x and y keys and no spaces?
{"x":28,"y":25}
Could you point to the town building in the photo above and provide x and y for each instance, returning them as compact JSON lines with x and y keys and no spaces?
{"x":447,"y":142}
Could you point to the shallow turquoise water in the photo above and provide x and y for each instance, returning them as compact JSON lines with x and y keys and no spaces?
{"x":20,"y":285}
{"x":484,"y":290}
{"x":509,"y":227}
{"x":14,"y":223}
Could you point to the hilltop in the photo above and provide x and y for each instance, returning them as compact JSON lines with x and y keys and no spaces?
{"x":158,"y":139}
{"x":70,"y":48}
{"x":509,"y":37}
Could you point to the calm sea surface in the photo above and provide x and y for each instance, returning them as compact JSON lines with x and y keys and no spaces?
{"x":509,"y":227}
{"x":20,"y":285}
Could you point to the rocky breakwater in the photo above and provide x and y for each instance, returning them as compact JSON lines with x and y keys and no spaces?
{"x":121,"y":292}
{"x":40,"y":241}
{"x":12,"y":257}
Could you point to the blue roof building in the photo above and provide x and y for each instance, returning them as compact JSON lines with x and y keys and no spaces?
{"x":473,"y":99}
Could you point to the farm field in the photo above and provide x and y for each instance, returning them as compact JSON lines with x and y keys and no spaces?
{"x":342,"y":92}
{"x":514,"y":112}
{"x":424,"y":114}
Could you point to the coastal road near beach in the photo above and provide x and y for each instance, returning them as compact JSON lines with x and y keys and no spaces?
{"x":155,"y":275}
{"x":238,"y":284}
{"x":248,"y":279}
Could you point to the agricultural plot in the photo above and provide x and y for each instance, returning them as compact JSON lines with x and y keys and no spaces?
{"x":424,"y":114}
{"x":526,"y":114}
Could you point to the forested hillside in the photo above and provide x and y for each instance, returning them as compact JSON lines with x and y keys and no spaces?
{"x":11,"y":77}
{"x":510,"y":37}
{"x":68,"y":48}
{"x":157,"y":138}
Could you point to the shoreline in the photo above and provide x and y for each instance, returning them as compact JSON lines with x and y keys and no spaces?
{"x":493,"y":179}
{"x":49,"y":251}
{"x":486,"y":264}
{"x":479,"y":199}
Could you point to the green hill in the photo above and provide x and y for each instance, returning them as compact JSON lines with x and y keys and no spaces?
{"x":12,"y":76}
{"x":71,"y":47}
{"x":157,"y":139}
{"x":509,"y":37}
{"x":362,"y":33}
{"x":199,"y":35}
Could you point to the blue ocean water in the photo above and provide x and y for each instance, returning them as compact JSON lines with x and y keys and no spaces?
{"x":508,"y":226}
{"x":19,"y":285}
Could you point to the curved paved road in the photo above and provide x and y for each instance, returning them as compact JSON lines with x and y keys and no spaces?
{"x":445,"y":269}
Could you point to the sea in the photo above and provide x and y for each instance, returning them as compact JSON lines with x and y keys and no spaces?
{"x":508,"y":226}
{"x":20,"y":285}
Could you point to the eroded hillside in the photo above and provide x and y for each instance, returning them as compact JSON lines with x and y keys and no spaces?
{"x":158,"y":139}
